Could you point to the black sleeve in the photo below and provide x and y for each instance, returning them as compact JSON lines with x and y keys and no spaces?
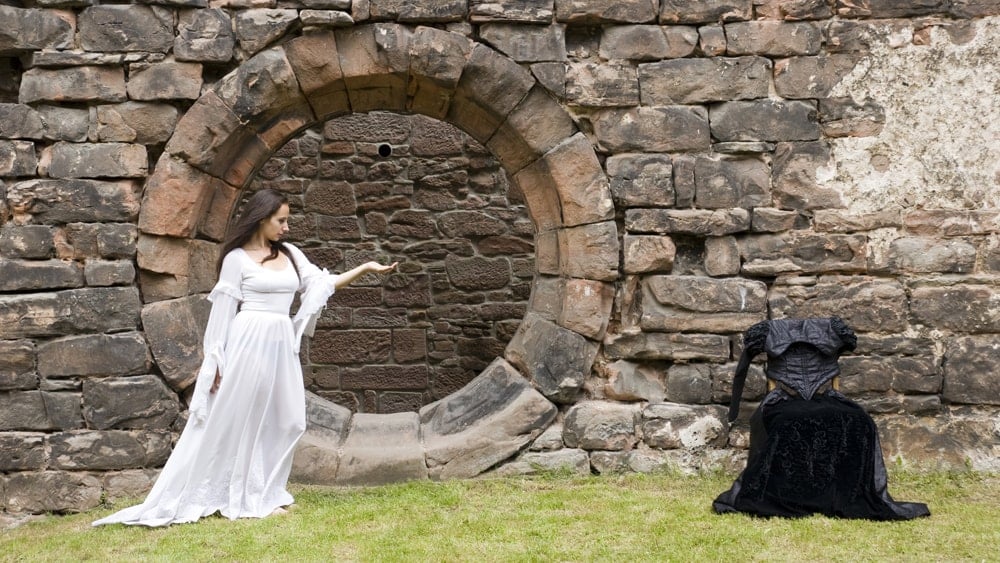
{"x":753,"y":344}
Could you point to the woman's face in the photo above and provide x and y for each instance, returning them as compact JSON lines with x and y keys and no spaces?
{"x":275,"y":226}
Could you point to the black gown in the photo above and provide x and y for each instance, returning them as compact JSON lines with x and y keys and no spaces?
{"x":810,"y":453}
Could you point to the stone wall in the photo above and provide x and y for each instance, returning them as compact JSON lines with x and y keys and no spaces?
{"x":689,"y":168}
{"x":418,"y":191}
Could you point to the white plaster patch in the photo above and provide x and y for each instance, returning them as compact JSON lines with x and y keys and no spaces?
{"x":940,"y":147}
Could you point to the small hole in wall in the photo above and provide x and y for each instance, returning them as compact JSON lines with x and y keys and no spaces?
{"x":384,"y":150}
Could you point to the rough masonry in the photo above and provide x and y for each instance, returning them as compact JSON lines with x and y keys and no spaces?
{"x":590,"y":201}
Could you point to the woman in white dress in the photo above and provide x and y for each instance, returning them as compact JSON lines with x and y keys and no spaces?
{"x":248,"y":407}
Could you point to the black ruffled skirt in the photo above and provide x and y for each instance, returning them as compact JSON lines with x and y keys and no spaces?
{"x":820,"y":456}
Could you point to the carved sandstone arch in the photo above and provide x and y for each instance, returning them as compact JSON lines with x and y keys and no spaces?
{"x":233,"y":129}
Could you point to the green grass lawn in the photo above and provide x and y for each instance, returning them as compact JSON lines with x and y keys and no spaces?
{"x":663,"y":517}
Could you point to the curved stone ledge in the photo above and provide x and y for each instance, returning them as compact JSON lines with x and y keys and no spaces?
{"x":484,"y":423}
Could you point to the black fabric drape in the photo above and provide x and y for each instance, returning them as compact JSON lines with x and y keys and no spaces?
{"x":819,"y":455}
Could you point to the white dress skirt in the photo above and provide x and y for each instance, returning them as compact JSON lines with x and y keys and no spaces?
{"x":235,"y":453}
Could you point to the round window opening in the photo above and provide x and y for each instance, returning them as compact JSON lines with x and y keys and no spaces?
{"x":407,"y":188}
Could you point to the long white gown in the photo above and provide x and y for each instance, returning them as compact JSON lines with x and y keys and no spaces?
{"x":235,"y":453}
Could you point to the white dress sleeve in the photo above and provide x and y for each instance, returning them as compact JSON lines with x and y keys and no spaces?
{"x":225,"y":297}
{"x":316,"y":285}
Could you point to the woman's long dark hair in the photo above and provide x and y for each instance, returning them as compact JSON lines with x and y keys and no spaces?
{"x":261,"y":206}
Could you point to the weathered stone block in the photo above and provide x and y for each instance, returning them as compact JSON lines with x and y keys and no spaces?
{"x":765,"y":120}
{"x":34,"y":30}
{"x":26,"y":241}
{"x":661,"y":346}
{"x":264,"y":93}
{"x":17,"y":365}
{"x":652,"y":129}
{"x":22,"y":451}
{"x":382,"y":448}
{"x":589,"y":251}
{"x":687,"y":221}
{"x":691,"y":303}
{"x":576,"y":174}
{"x":648,"y":42}
{"x":68,"y":312}
{"x":526,"y":43}
{"x":174,"y":330}
{"x":17,"y":158}
{"x":889,"y":8}
{"x":485,"y":422}
{"x":773,"y":38}
{"x":94,"y":160}
{"x":258,"y":27}
{"x":602,"y":84}
{"x":39,"y":410}
{"x":768,"y":220}
{"x":556,"y":359}
{"x":796,"y":171}
{"x":167,"y":80}
{"x":835,"y":221}
{"x":928,"y":255}
{"x":843,"y":117}
{"x":689,"y":384}
{"x":961,"y":307}
{"x":794,"y":10}
{"x":437,"y":59}
{"x":647,"y":253}
{"x":811,"y":77}
{"x":83,"y":241}
{"x":641,"y":180}
{"x":730,"y":183}
{"x":629,"y":381}
{"x":129,"y":402}
{"x":535,"y":127}
{"x":64,"y":124}
{"x":722,"y":385}
{"x":127,"y":484}
{"x":99,"y":354}
{"x":210,"y":137}
{"x":375,"y":64}
{"x":108,"y":449}
{"x":705,"y":11}
{"x":406,"y":11}
{"x":605,"y":11}
{"x":19,"y":121}
{"x":204,"y":36}
{"x":673,"y":426}
{"x":712,"y":40}
{"x":26,"y":275}
{"x":684,"y":187}
{"x":599,"y":425}
{"x":970,"y":370}
{"x":325,"y":18}
{"x":698,"y":80}
{"x":316,"y":455}
{"x":865,"y":304}
{"x":67,"y":201}
{"x":126,"y":28}
{"x":74,"y":84}
{"x":803,"y":253}
{"x":176,"y":198}
{"x":722,"y":256}
{"x":135,"y":122}
{"x":102,"y":273}
{"x":567,"y":459}
{"x":478,"y":273}
{"x":526,"y":11}
{"x":52,"y":491}
{"x":586,"y":307}
{"x":948,"y":223}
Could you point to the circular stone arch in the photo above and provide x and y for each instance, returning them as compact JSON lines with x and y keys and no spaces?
{"x":234,"y":127}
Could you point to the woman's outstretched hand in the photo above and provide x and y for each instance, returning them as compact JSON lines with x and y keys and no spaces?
{"x":376,"y":268}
